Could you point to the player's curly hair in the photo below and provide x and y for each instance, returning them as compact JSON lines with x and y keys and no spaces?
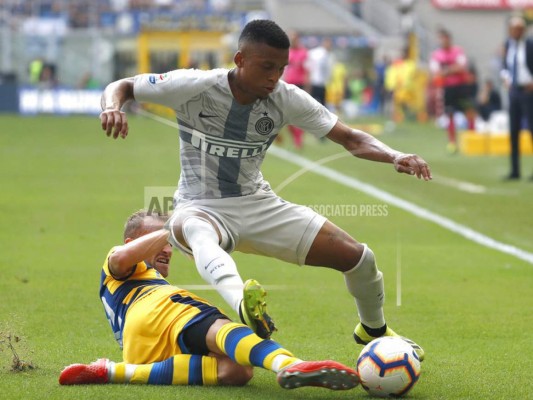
{"x":136,"y":222}
{"x":264,"y":31}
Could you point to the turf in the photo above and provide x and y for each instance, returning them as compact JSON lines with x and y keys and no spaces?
{"x":66,"y":190}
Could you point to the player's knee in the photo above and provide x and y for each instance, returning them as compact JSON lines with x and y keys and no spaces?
{"x":233,"y":374}
{"x":367,"y":263}
{"x":352,"y":252}
{"x":186,"y":223}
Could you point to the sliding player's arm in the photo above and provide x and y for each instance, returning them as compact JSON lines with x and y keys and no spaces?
{"x":116,"y":94}
{"x":127,"y":256}
{"x":365,"y":146}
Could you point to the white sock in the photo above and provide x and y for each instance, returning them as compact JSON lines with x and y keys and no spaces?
{"x":283,"y":361}
{"x":214,"y":264}
{"x":365,"y":283}
{"x":127,"y":373}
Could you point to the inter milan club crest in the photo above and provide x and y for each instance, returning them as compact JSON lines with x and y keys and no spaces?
{"x":264,"y":125}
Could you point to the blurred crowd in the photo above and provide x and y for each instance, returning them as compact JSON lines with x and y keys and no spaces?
{"x":83,"y":14}
{"x":394,"y":84}
{"x":397,"y":87}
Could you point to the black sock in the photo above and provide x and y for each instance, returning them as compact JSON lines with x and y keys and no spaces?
{"x":240,"y":314}
{"x":375,"y":332}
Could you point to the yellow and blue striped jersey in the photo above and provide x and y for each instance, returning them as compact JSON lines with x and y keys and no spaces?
{"x":118,"y":295}
{"x":145,"y":305}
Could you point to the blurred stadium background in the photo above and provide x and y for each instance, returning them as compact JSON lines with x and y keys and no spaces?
{"x":56,"y":54}
{"x":66,"y":190}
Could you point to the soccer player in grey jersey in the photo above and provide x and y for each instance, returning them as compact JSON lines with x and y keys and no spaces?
{"x":227,"y":120}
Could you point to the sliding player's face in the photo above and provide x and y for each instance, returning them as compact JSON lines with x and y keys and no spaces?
{"x":161,"y":260}
{"x":260,"y":68}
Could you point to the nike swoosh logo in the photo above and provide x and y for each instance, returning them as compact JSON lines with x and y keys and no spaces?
{"x":202,"y":115}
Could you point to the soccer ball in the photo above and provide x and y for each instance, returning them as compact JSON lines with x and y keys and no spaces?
{"x":388,"y":367}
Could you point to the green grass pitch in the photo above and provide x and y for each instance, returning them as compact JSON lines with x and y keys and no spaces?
{"x":67,"y":189}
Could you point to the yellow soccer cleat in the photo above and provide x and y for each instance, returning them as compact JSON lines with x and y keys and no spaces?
{"x":362,"y":337}
{"x":253,"y":309}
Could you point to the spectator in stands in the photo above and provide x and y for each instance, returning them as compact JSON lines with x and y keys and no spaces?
{"x":336,"y":87}
{"x":380,"y":92}
{"x":517,"y":74}
{"x":449,"y":68}
{"x":88,"y":81}
{"x":296,"y":74}
{"x":35,"y":69}
{"x":320,"y":65}
{"x":357,"y":84}
{"x":48,"y":77}
{"x":400,"y":81}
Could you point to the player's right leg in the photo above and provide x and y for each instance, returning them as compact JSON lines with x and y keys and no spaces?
{"x":364,"y":281}
{"x":361,"y":336}
{"x":196,"y":232}
{"x":253,"y":310}
{"x":334,"y":248}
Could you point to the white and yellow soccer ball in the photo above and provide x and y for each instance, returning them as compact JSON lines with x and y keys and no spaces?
{"x":388,"y":367}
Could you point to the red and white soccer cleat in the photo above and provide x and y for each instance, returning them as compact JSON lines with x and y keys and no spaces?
{"x":327,"y":374}
{"x":83,"y":374}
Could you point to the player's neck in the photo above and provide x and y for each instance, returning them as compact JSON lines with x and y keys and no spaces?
{"x":240,"y":95}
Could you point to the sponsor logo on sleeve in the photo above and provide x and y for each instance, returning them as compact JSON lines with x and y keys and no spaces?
{"x":158,"y":78}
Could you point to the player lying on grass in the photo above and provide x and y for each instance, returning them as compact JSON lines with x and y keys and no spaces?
{"x":227,"y":121}
{"x":170,"y":336}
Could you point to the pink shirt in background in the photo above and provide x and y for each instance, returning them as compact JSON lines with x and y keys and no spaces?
{"x":295,"y":71}
{"x":443,"y":57}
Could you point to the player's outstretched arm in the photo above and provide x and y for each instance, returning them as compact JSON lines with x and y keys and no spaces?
{"x":116,"y":94}
{"x":134,"y":251}
{"x":365,"y":146}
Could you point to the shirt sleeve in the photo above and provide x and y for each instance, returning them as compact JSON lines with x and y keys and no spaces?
{"x":308,"y":114}
{"x":134,"y":268}
{"x":174,"y":88}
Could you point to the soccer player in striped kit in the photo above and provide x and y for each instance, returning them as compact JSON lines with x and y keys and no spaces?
{"x":227,"y":121}
{"x":170,"y":336}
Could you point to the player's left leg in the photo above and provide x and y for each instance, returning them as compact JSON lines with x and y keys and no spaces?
{"x":239,"y":343}
{"x":334,"y":248}
{"x":181,"y":369}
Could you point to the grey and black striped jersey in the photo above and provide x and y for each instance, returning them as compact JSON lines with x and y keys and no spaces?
{"x":222,"y":142}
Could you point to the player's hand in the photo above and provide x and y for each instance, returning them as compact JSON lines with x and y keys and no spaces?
{"x":413,"y":165}
{"x":114,"y":122}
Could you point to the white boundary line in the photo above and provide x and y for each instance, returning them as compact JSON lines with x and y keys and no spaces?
{"x":210,"y":287}
{"x":382,"y":195}
{"x":398,"y":273}
{"x":460,"y":185}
